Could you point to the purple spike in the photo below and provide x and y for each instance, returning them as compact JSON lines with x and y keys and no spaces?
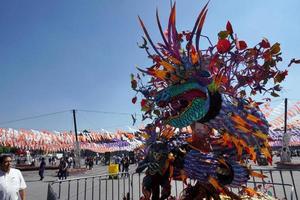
{"x":149,"y":39}
{"x":195,"y":27}
{"x":172,"y":34}
{"x":198,"y":33}
{"x":161,"y":31}
{"x":170,"y":24}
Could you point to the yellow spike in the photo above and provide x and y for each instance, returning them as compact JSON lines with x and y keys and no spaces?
{"x":252,"y":118}
{"x":145,"y":135}
{"x":249,"y":191}
{"x":194,"y":56}
{"x":242,"y":128}
{"x":174,"y":60}
{"x":252,"y":153}
{"x":243,"y":143}
{"x":256,"y":174}
{"x":261,"y":135}
{"x":222,"y":161}
{"x":266,"y":144}
{"x":167,"y":66}
{"x":171,"y":171}
{"x":238,"y":120}
{"x":237,"y":145}
{"x":183,"y":176}
{"x":215,"y":183}
{"x":160,"y":74}
{"x":266,"y":152}
{"x":168,"y":133}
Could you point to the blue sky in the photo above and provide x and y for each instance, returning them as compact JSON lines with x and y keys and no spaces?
{"x":68,"y":54}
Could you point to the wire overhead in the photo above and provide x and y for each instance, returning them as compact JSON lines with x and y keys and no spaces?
{"x":33,"y":117}
{"x":105,"y":112}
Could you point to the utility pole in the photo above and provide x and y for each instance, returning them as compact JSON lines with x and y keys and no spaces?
{"x":77,"y":146}
{"x":285,"y":114}
{"x":285,"y":155}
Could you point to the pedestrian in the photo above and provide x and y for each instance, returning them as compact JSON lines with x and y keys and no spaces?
{"x":122,"y":169}
{"x":70,"y":161}
{"x":62,"y":169}
{"x":74,"y":163}
{"x":118,"y":161}
{"x":32,"y":162}
{"x":53,"y":161}
{"x":97,"y":159}
{"x":91,"y":163}
{"x":87,"y":160}
{"x":12,"y":183}
{"x":126,"y":164}
{"x":42,"y":169}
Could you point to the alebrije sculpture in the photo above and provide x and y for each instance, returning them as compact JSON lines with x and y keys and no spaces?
{"x":205,"y":124}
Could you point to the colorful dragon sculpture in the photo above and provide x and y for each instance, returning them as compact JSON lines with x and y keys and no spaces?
{"x":204,"y":123}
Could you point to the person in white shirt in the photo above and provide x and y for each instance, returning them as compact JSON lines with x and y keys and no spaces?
{"x":12,"y":183}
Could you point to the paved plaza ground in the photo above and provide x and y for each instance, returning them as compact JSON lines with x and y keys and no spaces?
{"x":37,"y":190}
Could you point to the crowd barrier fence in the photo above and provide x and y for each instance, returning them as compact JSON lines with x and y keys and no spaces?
{"x":279,"y":183}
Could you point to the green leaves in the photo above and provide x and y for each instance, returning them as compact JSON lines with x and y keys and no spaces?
{"x":223,"y":34}
{"x":157,"y":112}
{"x":274,"y":94}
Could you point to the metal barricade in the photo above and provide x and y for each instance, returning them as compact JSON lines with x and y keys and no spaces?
{"x":102,"y":187}
{"x":281,"y":190}
{"x":279,"y":183}
{"x":282,"y":181}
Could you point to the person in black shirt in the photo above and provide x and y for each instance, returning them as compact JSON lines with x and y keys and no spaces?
{"x":42,"y":169}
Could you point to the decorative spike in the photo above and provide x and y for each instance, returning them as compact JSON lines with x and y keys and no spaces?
{"x":161,"y":31}
{"x":198,"y":33}
{"x":148,"y":37}
{"x":172,"y":34}
{"x":195,"y":26}
{"x":256,"y":174}
{"x":171,"y":21}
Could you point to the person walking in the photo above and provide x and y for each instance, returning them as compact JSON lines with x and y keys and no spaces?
{"x":91,"y":163}
{"x":12,"y":183}
{"x":62,"y":169}
{"x":118,"y":161}
{"x":70,"y":161}
{"x":126,"y":165}
{"x":42,"y":169}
